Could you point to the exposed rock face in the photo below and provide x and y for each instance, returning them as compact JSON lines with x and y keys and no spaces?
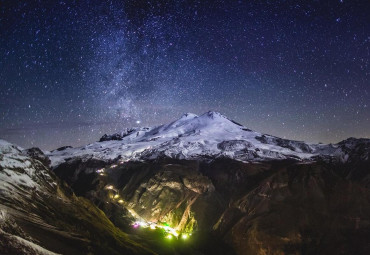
{"x":279,"y":207}
{"x":285,"y":143}
{"x":356,"y":149}
{"x":308,"y":209}
{"x":234,"y":145}
{"x":235,"y":189}
{"x":37,"y":154}
{"x":110,"y":137}
{"x":41,"y":215}
{"x":158,"y":191}
{"x":120,"y":136}
{"x":168,"y":192}
{"x":63,"y":148}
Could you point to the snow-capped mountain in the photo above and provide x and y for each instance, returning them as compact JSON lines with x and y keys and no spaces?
{"x":39,"y":214}
{"x":210,"y":135}
{"x":148,"y":174}
{"x":21,"y":174}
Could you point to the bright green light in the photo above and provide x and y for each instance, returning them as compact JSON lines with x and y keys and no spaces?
{"x":169,"y":236}
{"x":184,"y":236}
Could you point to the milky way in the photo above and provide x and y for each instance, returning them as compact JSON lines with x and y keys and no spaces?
{"x":71,"y":71}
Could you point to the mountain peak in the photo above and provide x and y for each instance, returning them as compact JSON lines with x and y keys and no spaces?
{"x":219,"y":118}
{"x":213,"y":115}
{"x":210,"y":115}
{"x":191,"y":136}
{"x":188,"y":115}
{"x":6,"y":147}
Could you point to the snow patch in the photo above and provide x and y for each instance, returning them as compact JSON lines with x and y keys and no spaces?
{"x":208,"y":135}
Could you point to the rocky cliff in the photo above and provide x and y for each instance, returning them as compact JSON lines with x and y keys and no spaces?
{"x":198,"y":185}
{"x":39,"y":214}
{"x":277,"y":207}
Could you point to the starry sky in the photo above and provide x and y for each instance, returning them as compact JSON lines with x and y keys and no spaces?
{"x":71,"y":71}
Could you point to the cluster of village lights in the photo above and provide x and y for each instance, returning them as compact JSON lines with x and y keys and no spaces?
{"x":170,"y":232}
{"x":115,"y":196}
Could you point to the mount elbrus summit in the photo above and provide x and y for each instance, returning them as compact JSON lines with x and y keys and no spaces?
{"x":199,"y":185}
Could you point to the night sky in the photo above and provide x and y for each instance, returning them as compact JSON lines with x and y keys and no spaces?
{"x":71,"y":71}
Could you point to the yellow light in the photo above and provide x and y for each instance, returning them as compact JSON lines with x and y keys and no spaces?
{"x":167,"y":228}
{"x":184,"y":236}
{"x":143,"y":224}
{"x":100,"y":170}
{"x":175,"y":233}
{"x":116,"y":196}
{"x":169,"y":236}
{"x":120,"y":201}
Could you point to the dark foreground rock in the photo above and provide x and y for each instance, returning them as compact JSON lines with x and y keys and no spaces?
{"x":39,"y":214}
{"x":279,"y":207}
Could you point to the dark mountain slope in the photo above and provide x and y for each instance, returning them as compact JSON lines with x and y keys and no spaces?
{"x":278,"y":207}
{"x":39,"y":209}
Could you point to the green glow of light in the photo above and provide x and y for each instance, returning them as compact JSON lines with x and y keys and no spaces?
{"x":184,"y":236}
{"x":169,"y":236}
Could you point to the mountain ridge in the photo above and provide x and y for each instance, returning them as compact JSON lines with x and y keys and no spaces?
{"x":197,"y":137}
{"x":243,"y":191}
